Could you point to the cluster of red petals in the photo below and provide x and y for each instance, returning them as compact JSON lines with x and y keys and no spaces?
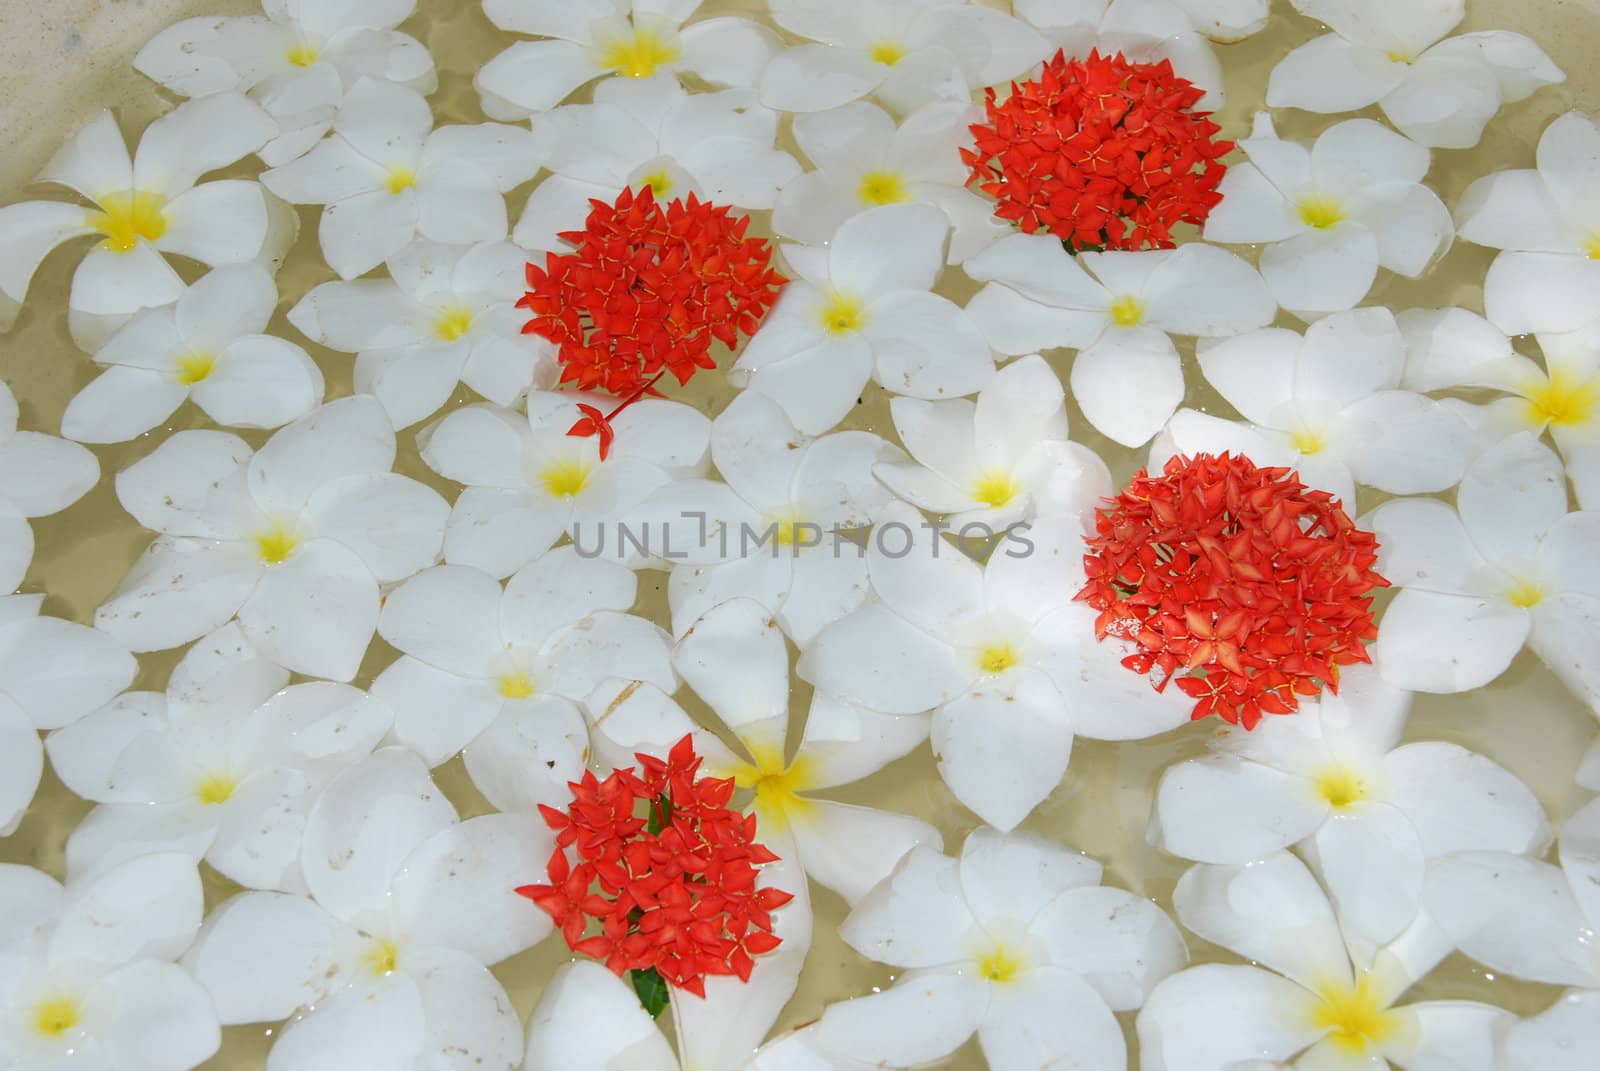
{"x":1249,"y":587}
{"x":682,"y":900}
{"x":1102,"y":153}
{"x":644,"y":293}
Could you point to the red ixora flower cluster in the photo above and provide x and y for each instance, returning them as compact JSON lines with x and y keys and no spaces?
{"x":1250,"y":587}
{"x":645,"y":291}
{"x":673,"y":889}
{"x":1103,"y":153}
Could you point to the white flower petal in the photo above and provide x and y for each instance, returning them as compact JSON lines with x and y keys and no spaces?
{"x":177,"y":591}
{"x":260,"y":382}
{"x":1372,"y":860}
{"x":470,"y":1020}
{"x":1564,"y":1037}
{"x":1461,"y":801}
{"x":436,"y":713}
{"x":218,"y":223}
{"x":1329,"y":74}
{"x":1510,"y":496}
{"x":261,"y":955}
{"x":735,"y":659}
{"x":41,"y":474}
{"x":1121,"y":944}
{"x":1565,"y":629}
{"x":59,"y":671}
{"x":1322,"y":271}
{"x":21,"y":763}
{"x":381,"y":1023}
{"x":532,"y":77}
{"x":1049,"y":1016}
{"x":1433,"y":642}
{"x":346,"y":437}
{"x":1513,"y":210}
{"x":616,"y":1024}
{"x":1527,"y":292}
{"x":1512,"y":914}
{"x":28,"y":232}
{"x":1202,"y":290}
{"x":121,"y":404}
{"x":1255,"y":372}
{"x":1128,"y":384}
{"x":850,"y":849}
{"x":1105,"y":700}
{"x":1445,"y":100}
{"x":1225,"y":809}
{"x":394,"y":524}
{"x":1405,"y":444}
{"x":811,"y":78}
{"x":916,"y":917}
{"x":361,"y":232}
{"x":921,"y":1020}
{"x":153,"y":1015}
{"x":887,"y":249}
{"x":728,"y":51}
{"x":314,"y":613}
{"x":977,"y":737}
{"x":927,"y":347}
{"x":145,"y":908}
{"x":529,"y":754}
{"x":448,"y":617}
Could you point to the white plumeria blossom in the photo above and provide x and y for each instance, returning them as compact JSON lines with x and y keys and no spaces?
{"x":1509,"y":566}
{"x":143,"y":209}
{"x":1565,"y":1037}
{"x":294,"y":538}
{"x":1438,"y":92}
{"x":1016,"y":941}
{"x":224,"y":766}
{"x":860,"y":159}
{"x":386,"y":176}
{"x":52,"y":673}
{"x":86,"y":977}
{"x":996,"y":461}
{"x":1328,"y":406}
{"x":863,"y":309}
{"x":1145,"y":31}
{"x":612,"y":39}
{"x":1315,"y":1000}
{"x":1119,"y":309}
{"x":39,"y":475}
{"x":528,"y":482}
{"x":211,"y":345}
{"x":1226,"y":21}
{"x":446,"y":315}
{"x":389,"y":956}
{"x":1547,"y":221}
{"x":773,"y":529}
{"x":1367,"y":810}
{"x":296,"y":60}
{"x":907,"y":54}
{"x":499,"y":673}
{"x":1002,"y":654}
{"x":652,"y":132}
{"x":1333,"y":214}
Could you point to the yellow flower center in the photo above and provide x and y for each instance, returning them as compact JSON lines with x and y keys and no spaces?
{"x":887,"y":53}
{"x":1127,"y":311}
{"x":382,"y":957}
{"x":399,"y":179}
{"x":883,"y":188}
{"x":1341,"y":787}
{"x":777,"y":785}
{"x":1307,"y":441}
{"x":277,"y":543}
{"x":304,"y":54}
{"x":195,"y":367}
{"x":660,"y":183}
{"x":124,"y":218}
{"x":843,"y":313}
{"x":1402,"y":55}
{"x":1564,"y":400}
{"x":638,"y":53}
{"x":1525,"y":593}
{"x":453,"y":321}
{"x":566,"y":478}
{"x":1354,"y":1017}
{"x":1000,"y":964}
{"x":1591,"y":245}
{"x":516,"y":684}
{"x":56,"y":1016}
{"x":215,"y":788}
{"x":996,"y":488}
{"x":1321,"y":212}
{"x":995,"y":658}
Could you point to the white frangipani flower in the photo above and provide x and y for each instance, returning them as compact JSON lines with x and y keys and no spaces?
{"x":1119,"y":313}
{"x":908,"y":54}
{"x":386,"y":176}
{"x":212,"y":346}
{"x":862,"y":309}
{"x":1331,"y":215}
{"x":1438,"y":92}
{"x":1016,"y":941}
{"x":296,"y":61}
{"x":1547,"y":221}
{"x":612,"y":39}
{"x":143,"y":209}
{"x":1369,"y":811}
{"x":1226,"y":21}
{"x":861,"y":159}
{"x":294,"y":538}
{"x":224,"y":766}
{"x":1002,"y":654}
{"x":529,"y":483}
{"x":1328,"y":406}
{"x":446,"y":315}
{"x":1565,"y":1037}
{"x":52,"y":673}
{"x":1317,"y":998}
{"x":87,"y":972}
{"x":1512,"y":567}
{"x":500,"y":673}
{"x":1145,"y":31}
{"x":39,"y":475}
{"x":390,"y":955}
{"x":651,"y":132}
{"x":1000,"y":460}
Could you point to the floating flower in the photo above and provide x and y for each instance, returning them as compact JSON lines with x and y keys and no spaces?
{"x":39,"y":475}
{"x":224,"y":766}
{"x":88,"y":968}
{"x":1548,"y":277}
{"x":1509,"y":566}
{"x":294,"y":538}
{"x":646,"y":291}
{"x":143,"y":209}
{"x":1246,"y":586}
{"x":212,"y":346}
{"x":296,"y":62}
{"x":388,"y":959}
{"x":1119,"y":313}
{"x":1568,"y":1028}
{"x":1016,"y":941}
{"x":447,"y":314}
{"x":862,"y":310}
{"x":651,"y":132}
{"x":611,"y":39}
{"x":1370,"y":811}
{"x":1332,"y":215}
{"x":908,"y":54}
{"x":1319,"y":998}
{"x":500,"y":673}
{"x":1102,"y":153}
{"x":1439,"y":93}
{"x":386,"y":176}
{"x":1226,"y":21}
{"x":1144,"y":32}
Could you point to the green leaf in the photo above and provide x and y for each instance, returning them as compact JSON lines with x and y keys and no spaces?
{"x":652,"y":990}
{"x":660,"y":814}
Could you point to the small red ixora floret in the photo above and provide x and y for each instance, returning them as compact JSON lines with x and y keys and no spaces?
{"x":1103,"y":153}
{"x":645,"y":291}
{"x":652,"y":869}
{"x":1240,"y":582}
